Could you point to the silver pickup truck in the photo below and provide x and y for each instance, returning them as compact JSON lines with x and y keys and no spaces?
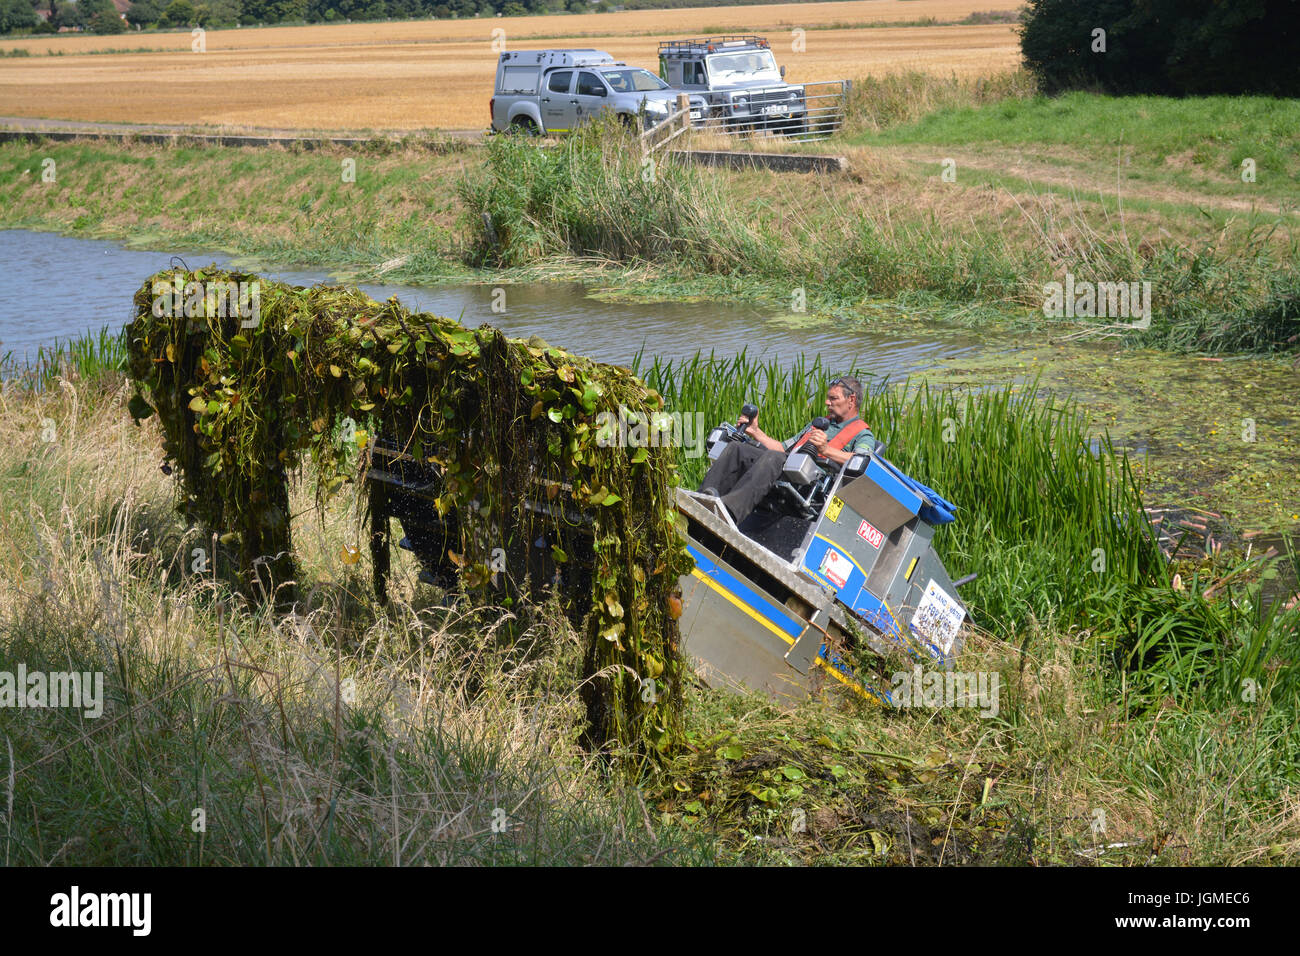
{"x":555,"y":91}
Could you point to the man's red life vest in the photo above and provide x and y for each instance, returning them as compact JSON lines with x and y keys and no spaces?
{"x":841,"y":437}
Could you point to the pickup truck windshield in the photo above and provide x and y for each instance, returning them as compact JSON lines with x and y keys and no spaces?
{"x":758,"y":61}
{"x":633,"y":81}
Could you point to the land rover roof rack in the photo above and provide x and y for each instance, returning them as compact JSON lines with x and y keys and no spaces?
{"x":709,"y":44}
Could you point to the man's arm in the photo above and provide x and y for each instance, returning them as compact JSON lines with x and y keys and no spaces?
{"x":862,"y":444}
{"x":837,"y":455}
{"x":767,"y":441}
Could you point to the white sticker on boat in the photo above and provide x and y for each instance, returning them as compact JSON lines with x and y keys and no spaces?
{"x":836,"y":567}
{"x":938,"y":617}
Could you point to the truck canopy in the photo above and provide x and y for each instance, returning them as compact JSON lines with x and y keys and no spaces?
{"x":518,"y":71}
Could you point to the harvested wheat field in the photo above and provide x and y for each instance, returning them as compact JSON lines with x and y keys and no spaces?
{"x":439,"y":74}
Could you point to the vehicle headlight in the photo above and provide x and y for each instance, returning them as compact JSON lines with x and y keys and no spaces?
{"x":656,"y":107}
{"x":741,"y":102}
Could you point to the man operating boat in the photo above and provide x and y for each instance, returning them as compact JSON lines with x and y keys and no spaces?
{"x":743,"y":474}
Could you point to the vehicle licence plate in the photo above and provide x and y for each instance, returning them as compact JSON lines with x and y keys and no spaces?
{"x":778,"y":109}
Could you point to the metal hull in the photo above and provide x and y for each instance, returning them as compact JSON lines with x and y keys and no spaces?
{"x":769,"y":608}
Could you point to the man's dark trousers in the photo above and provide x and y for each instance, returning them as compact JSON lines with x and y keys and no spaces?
{"x":743,"y":475}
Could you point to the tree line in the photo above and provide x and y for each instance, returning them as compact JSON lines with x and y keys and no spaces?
{"x":99,"y":16}
{"x":1169,"y":47}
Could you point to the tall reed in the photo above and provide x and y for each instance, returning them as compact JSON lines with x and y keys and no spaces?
{"x":76,"y":357}
{"x":1051,"y":520}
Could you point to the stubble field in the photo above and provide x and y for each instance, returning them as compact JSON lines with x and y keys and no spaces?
{"x":439,"y":74}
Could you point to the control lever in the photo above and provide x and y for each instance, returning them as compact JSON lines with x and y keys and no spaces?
{"x":821,"y":423}
{"x":748,"y":412}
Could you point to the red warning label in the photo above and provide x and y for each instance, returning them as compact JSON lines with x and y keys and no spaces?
{"x":870,"y":535}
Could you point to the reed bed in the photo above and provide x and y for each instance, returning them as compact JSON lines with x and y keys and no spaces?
{"x":595,"y":197}
{"x":1052,"y":522}
{"x":77,"y":357}
{"x":355,"y":733}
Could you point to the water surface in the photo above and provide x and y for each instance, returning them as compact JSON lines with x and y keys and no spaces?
{"x":59,"y":287}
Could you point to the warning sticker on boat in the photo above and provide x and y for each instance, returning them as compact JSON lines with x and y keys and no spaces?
{"x":938,"y":617}
{"x":868,"y":533}
{"x":836,"y":567}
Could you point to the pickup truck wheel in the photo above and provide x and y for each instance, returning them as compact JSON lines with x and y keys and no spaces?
{"x":523,"y":126}
{"x":629,"y":122}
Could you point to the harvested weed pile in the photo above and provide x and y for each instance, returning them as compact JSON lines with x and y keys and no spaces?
{"x":244,"y":386}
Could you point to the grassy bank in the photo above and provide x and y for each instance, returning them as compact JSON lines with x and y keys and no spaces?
{"x":593,"y":197}
{"x":1024,"y":209}
{"x":353,"y":733}
{"x":348,"y":734}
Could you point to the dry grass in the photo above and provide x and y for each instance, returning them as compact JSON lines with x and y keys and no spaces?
{"x":448,"y":722}
{"x":439,"y":74}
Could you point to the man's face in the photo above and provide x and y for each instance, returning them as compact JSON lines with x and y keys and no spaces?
{"x":839,"y":404}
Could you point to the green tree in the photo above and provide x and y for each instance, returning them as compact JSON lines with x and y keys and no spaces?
{"x":144,"y":13}
{"x":69,"y":15}
{"x":101,"y":16}
{"x":16,"y":15}
{"x":217,"y":13}
{"x":274,"y":11}
{"x":1173,"y":47}
{"x":179,"y":13}
{"x":1246,"y":46}
{"x":106,"y":21}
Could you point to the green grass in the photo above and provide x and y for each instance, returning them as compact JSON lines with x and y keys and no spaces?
{"x":285,"y":207}
{"x":452,"y":714}
{"x":1052,"y":522}
{"x":1223,"y":279}
{"x":284,"y":775}
{"x":1058,"y":777}
{"x":349,"y":734}
{"x":1214,"y":133}
{"x":895,"y":99}
{"x":85,"y":356}
{"x":591,"y":198}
